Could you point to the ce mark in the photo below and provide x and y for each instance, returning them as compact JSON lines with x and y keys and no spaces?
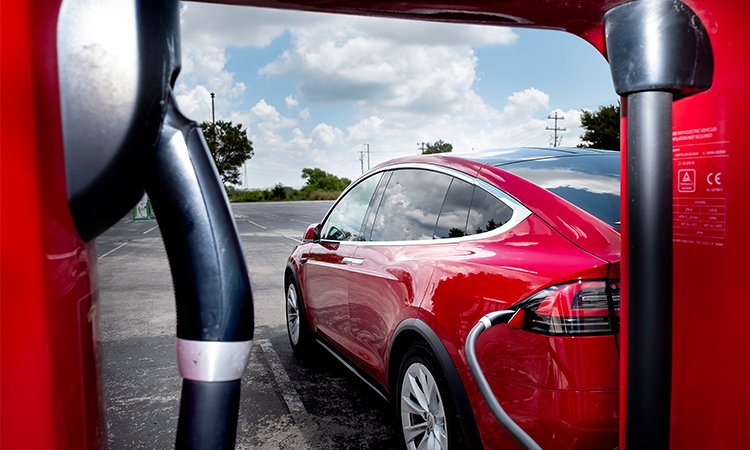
{"x":714,"y":178}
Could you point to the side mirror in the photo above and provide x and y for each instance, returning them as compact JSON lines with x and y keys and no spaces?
{"x":312,"y":234}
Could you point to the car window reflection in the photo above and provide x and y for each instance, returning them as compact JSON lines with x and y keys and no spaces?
{"x":410,"y":206}
{"x":487,"y":213}
{"x":455,"y":212}
{"x":590,"y":182}
{"x":345,"y":221}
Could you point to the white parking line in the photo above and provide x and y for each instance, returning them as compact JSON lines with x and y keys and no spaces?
{"x":294,"y":239}
{"x":288,"y":392}
{"x":113,"y":250}
{"x":150,"y":229}
{"x":257,"y":225}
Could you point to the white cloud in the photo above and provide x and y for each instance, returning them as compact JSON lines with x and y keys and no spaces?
{"x":527,"y":103}
{"x":436,"y":34}
{"x":327,"y":135}
{"x":195,"y":102}
{"x":291,"y":102}
{"x":238,"y":26}
{"x":299,"y":141}
{"x":406,"y":66}
{"x":207,"y":32}
{"x":366,"y":129}
{"x":265,"y":112}
{"x":266,"y":115}
{"x":388,"y":83}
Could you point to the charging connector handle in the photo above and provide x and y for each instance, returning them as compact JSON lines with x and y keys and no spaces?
{"x":485,"y":323}
{"x":213,"y":298}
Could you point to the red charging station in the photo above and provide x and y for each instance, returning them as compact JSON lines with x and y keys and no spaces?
{"x":681,"y":69}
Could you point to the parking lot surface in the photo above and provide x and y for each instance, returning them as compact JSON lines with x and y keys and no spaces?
{"x":286,"y":403}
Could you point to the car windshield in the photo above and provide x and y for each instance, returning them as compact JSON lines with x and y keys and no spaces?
{"x":591,"y":182}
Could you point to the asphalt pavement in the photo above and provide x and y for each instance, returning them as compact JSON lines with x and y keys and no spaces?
{"x":286,"y":403}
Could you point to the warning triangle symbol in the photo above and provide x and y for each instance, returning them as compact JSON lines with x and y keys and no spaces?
{"x":686,"y":178}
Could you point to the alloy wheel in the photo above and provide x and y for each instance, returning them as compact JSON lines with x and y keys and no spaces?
{"x":422,"y":410}
{"x":292,"y":314}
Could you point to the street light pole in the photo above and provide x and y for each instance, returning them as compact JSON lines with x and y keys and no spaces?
{"x":213,"y":115}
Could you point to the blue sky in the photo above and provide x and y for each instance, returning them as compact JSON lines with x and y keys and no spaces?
{"x":312,"y":89}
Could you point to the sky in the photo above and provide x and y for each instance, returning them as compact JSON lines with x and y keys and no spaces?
{"x":314,"y":90}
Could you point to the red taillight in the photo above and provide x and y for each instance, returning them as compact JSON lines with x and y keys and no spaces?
{"x":576,"y":308}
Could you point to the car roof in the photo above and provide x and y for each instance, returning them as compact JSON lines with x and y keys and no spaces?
{"x":595,"y":236}
{"x":501,"y":157}
{"x":472,"y":161}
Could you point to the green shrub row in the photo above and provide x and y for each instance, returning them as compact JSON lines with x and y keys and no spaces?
{"x":279,"y":193}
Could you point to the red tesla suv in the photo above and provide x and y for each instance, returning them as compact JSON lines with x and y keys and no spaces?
{"x":417,"y":250}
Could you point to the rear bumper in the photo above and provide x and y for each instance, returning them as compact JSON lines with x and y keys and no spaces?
{"x":555,"y":419}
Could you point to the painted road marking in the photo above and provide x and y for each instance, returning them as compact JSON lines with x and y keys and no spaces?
{"x":150,"y":229}
{"x":113,"y":250}
{"x":276,"y":233}
{"x":288,"y":392}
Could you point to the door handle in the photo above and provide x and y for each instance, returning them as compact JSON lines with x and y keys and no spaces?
{"x":350,"y":260}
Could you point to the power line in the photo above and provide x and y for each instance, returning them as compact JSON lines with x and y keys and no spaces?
{"x":556,"y":141}
{"x":529,"y":139}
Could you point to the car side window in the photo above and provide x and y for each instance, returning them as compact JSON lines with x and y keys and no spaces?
{"x":410,"y":206}
{"x":345,"y":221}
{"x":455,"y":212}
{"x":372,"y":211}
{"x":487,"y":213}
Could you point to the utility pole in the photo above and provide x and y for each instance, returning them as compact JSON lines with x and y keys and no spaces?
{"x":213,"y":115}
{"x":556,"y":141}
{"x":421,"y":147}
{"x":368,"y":155}
{"x":362,"y":160}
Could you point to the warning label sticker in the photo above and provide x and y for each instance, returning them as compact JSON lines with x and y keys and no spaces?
{"x":686,"y":180}
{"x":700,"y":161}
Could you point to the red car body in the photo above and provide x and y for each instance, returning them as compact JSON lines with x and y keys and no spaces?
{"x":369,"y":301}
{"x":50,"y":385}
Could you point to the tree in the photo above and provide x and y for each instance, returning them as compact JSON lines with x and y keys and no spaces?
{"x":437,"y":147}
{"x":230,"y":147}
{"x":320,"y":180}
{"x":278,"y":192}
{"x":602,"y":128}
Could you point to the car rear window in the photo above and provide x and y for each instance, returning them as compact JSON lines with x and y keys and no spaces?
{"x":487,"y":213}
{"x":591,"y":182}
{"x":455,"y":211}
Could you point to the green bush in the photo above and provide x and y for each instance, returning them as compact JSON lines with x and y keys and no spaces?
{"x":323,"y":195}
{"x":280,"y":193}
{"x":240,"y":196}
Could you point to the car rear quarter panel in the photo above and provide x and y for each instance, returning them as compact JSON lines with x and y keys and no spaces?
{"x":526,"y":371}
{"x":556,"y":420}
{"x":578,"y":226}
{"x":481,"y":276}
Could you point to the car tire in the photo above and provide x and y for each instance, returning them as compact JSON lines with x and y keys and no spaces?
{"x":425,"y":407}
{"x":298,"y":330}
